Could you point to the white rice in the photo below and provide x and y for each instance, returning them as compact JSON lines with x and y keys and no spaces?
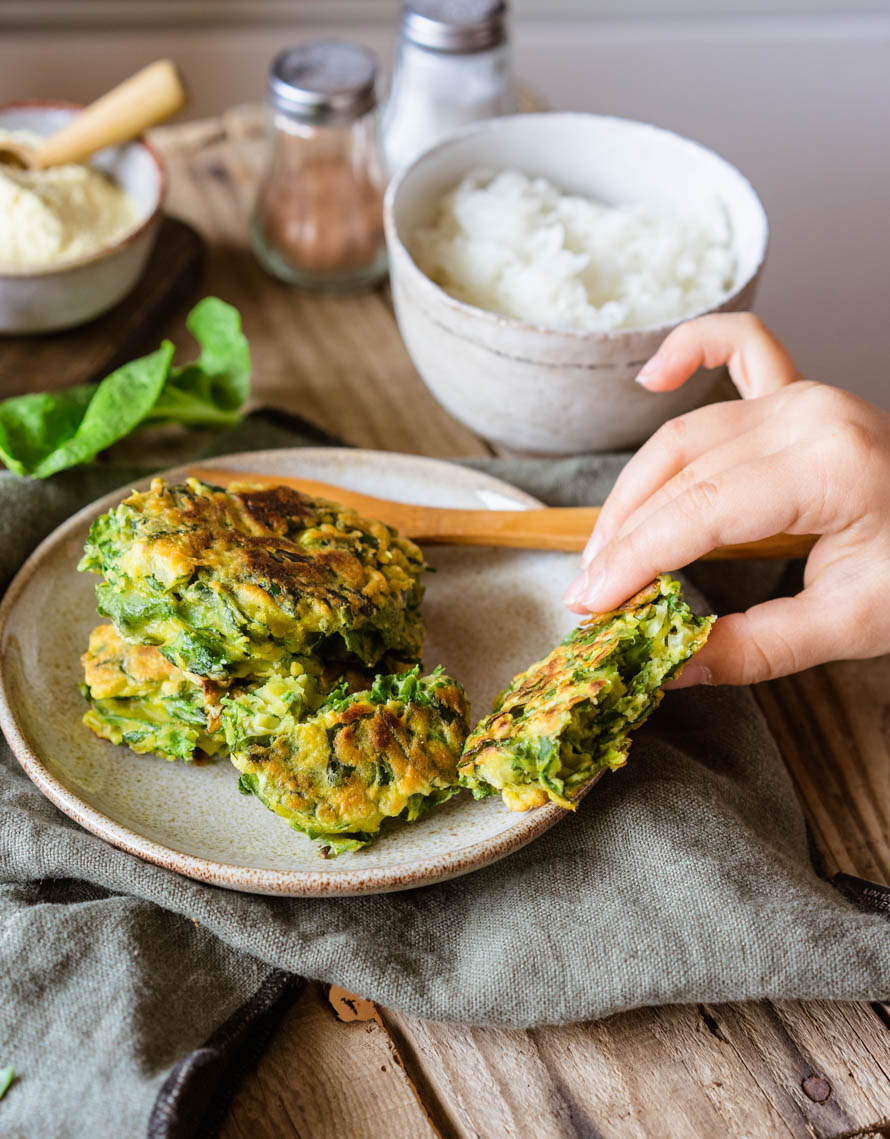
{"x":518,"y":246}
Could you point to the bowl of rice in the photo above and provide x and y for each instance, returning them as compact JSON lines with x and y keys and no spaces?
{"x":537,"y":261}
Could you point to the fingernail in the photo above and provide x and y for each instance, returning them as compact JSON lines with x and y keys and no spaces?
{"x":691,"y":675}
{"x":595,"y":543}
{"x":649,"y":370}
{"x":583,"y":590}
{"x":573,"y":593}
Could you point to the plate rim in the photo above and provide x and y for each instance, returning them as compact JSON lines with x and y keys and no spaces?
{"x":231,"y":876}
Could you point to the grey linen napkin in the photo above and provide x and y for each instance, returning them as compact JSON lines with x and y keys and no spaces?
{"x":133,"y":999}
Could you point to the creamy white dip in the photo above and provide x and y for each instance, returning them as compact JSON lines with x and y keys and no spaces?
{"x":50,"y":217}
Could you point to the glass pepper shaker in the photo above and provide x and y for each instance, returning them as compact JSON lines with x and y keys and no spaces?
{"x":318,"y":218}
{"x":452,"y":68}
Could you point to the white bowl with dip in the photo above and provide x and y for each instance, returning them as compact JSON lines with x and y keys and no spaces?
{"x":57,"y":295}
{"x":561,"y":391}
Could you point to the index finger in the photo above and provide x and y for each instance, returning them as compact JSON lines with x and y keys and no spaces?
{"x":665,"y":454}
{"x":735,"y":505}
{"x":758,"y":363}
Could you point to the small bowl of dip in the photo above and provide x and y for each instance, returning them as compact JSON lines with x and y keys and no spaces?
{"x":538,"y":260}
{"x":74,"y":239}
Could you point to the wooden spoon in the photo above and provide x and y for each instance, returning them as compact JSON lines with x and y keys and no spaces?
{"x":548,"y":528}
{"x":146,"y":98}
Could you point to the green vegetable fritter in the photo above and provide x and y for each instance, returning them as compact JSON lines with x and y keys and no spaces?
{"x":226,"y":581}
{"x":568,"y":716}
{"x":338,"y":774}
{"x":140,"y":699}
{"x":137,"y":697}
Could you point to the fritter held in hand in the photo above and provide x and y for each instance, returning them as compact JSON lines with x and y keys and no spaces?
{"x":388,"y":752}
{"x":140,"y":699}
{"x":568,"y":716}
{"x":222,"y":580}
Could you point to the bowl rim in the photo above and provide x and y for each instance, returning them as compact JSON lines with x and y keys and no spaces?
{"x":399,"y":250}
{"x":104,"y":251}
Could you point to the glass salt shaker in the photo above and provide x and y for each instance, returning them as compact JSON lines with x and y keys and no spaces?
{"x":318,"y":218}
{"x":452,"y":68}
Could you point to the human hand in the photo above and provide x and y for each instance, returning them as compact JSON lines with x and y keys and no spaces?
{"x":792,"y":456}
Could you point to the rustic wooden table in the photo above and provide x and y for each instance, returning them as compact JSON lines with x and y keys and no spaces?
{"x":339,"y":1067}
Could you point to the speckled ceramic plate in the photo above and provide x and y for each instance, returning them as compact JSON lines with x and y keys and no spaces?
{"x":489,"y":613}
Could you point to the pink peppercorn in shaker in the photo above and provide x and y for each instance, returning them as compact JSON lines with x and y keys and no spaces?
{"x":318,"y":218}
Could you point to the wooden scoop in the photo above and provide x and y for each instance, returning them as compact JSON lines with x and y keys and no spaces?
{"x":548,"y":528}
{"x":146,"y":98}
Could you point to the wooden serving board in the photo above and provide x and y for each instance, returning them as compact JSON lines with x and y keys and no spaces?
{"x":76,"y":356}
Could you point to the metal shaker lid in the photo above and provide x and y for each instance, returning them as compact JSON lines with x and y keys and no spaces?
{"x":455,"y":26}
{"x":323,"y":81}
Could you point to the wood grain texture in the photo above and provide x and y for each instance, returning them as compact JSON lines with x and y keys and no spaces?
{"x":833,"y":727}
{"x":324,"y":1078}
{"x":819,"y":1070}
{"x":757,"y":1070}
{"x":170,"y":282}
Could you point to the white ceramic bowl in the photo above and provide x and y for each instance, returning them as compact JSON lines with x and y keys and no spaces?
{"x":46,"y":300}
{"x":559,"y":391}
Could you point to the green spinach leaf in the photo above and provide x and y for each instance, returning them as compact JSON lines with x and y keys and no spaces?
{"x":32,"y":425}
{"x":47,"y":432}
{"x":210,"y":391}
{"x":119,"y":404}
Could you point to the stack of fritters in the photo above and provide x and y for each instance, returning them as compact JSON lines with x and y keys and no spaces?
{"x":242,"y":620}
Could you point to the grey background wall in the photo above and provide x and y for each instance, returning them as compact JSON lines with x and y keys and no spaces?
{"x":795,"y":92}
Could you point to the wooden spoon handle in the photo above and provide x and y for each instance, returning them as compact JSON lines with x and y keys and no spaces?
{"x":561,"y":528}
{"x":552,"y":528}
{"x":146,"y":98}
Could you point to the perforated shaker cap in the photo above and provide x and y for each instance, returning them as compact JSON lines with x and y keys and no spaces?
{"x":456,"y":26}
{"x":323,"y":81}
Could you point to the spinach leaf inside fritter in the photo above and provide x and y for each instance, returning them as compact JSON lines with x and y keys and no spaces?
{"x":137,"y":697}
{"x":140,"y":699}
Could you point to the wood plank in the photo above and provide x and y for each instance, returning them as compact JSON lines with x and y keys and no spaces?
{"x":168,"y":286}
{"x":759,"y":1070}
{"x":832,"y":725}
{"x":327,"y":1079}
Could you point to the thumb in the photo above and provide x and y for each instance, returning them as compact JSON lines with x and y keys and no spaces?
{"x":773,"y":639}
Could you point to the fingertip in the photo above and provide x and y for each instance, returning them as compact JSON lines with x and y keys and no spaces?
{"x":594,"y":591}
{"x":588,"y":593}
{"x":691,"y":675}
{"x":717,"y":661}
{"x":572,"y":595}
{"x":595,"y":543}
{"x":584,"y":588}
{"x":665,"y":371}
{"x":649,"y":371}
